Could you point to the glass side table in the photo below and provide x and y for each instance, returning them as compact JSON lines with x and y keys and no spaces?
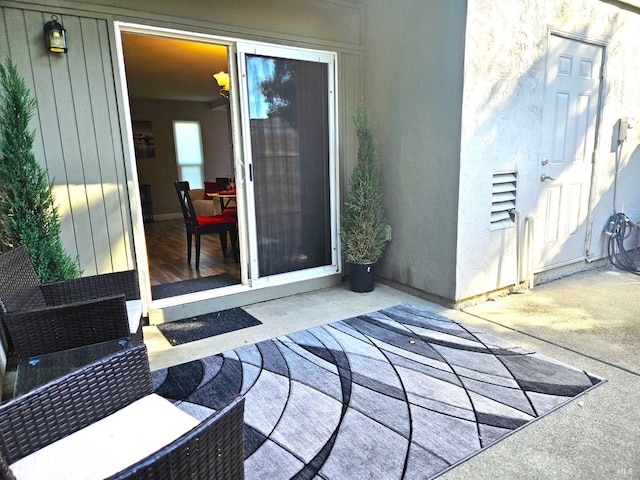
{"x":38,"y":370}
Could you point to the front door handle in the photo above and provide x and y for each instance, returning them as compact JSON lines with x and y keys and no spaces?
{"x":544,"y":177}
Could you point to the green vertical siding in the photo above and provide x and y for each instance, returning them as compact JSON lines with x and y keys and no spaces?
{"x":78,"y":136}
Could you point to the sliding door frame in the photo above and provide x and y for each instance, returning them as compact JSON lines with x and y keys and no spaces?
{"x":250,"y":290}
{"x":243,"y":49}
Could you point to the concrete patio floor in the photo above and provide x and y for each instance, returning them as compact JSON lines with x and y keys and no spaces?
{"x":589,"y":320}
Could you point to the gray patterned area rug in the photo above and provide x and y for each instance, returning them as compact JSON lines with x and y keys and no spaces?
{"x":401,"y":393}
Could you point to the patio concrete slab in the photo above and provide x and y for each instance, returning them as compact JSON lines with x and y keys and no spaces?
{"x":589,"y":320}
{"x":282,"y":316}
{"x":592,"y":321}
{"x":595,"y":313}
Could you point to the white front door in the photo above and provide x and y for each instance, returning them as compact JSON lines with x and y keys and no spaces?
{"x":569,"y":126}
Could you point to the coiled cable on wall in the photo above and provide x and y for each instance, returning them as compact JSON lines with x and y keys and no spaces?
{"x":624,"y":242}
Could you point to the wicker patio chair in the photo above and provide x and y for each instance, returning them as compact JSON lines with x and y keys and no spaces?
{"x":53,"y":413}
{"x":44,"y":318}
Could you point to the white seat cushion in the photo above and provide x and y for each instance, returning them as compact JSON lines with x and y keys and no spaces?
{"x":110,"y":445}
{"x":134,"y":313}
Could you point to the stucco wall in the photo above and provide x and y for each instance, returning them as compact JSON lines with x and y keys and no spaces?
{"x":505,"y":62}
{"x":413,"y":87}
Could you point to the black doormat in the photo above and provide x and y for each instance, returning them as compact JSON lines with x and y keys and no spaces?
{"x":192,"y":285}
{"x":207,"y":325}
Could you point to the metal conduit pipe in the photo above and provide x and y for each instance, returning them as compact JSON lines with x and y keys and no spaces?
{"x":528,"y":234}
{"x":515,"y":214}
{"x":524,"y":245}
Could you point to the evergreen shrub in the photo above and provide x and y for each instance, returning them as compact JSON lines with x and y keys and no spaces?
{"x":363,"y":230}
{"x":28,"y":215}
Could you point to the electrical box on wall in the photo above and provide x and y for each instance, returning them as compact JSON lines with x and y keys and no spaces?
{"x":625,"y":123}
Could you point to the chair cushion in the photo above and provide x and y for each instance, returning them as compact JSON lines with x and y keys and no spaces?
{"x":216,"y":220}
{"x":231,"y":211}
{"x":134,"y":314}
{"x":110,"y":445}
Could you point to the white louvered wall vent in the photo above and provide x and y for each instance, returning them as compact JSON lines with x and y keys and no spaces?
{"x":503,"y":199}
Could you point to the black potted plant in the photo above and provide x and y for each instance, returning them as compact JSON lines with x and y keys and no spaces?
{"x":363,"y":230}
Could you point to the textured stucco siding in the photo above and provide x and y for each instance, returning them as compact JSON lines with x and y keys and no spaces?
{"x":504,"y":84}
{"x":413,"y":87}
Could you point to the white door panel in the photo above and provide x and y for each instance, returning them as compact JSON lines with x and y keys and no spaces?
{"x":569,"y":132}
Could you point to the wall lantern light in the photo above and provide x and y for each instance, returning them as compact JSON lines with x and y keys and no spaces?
{"x":222,"y":79}
{"x":55,"y":37}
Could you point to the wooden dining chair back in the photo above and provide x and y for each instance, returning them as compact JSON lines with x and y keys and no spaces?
{"x":223,"y":182}
{"x":198,"y":225}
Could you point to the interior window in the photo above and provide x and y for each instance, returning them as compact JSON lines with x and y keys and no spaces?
{"x":188,"y":141}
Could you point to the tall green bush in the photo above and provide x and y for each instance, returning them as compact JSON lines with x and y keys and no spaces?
{"x":363,"y":229}
{"x":28,"y":215}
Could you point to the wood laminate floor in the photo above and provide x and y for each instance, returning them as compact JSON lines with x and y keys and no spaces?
{"x":167,"y":254}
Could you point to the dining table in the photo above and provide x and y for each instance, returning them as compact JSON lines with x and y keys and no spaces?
{"x":226,"y":197}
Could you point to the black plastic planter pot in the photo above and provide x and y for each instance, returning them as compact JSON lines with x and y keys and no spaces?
{"x":362,"y":277}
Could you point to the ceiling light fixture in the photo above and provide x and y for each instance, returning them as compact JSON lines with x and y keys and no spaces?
{"x":223,"y":82}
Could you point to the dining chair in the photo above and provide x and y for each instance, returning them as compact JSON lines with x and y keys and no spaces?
{"x":223,"y":182}
{"x":198,"y":225}
{"x":45,"y":318}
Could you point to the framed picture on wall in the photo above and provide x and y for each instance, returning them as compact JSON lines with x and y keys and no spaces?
{"x":143,"y":139}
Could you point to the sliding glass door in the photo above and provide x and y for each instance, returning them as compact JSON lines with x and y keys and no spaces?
{"x":287,"y":98}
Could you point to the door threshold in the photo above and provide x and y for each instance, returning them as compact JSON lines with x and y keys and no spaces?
{"x":166,"y":310}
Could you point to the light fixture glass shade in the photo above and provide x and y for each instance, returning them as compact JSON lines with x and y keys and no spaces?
{"x":55,"y":37}
{"x":223,"y":80}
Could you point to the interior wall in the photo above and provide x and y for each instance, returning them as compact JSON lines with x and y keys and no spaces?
{"x":413,"y":88}
{"x":161,"y":171}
